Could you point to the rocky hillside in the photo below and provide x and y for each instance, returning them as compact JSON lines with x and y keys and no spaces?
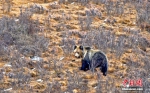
{"x":37,"y":39}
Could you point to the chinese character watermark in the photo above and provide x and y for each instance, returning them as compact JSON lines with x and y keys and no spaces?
{"x":132,"y":84}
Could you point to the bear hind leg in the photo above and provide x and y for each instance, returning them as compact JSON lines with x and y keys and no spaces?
{"x":104,"y":70}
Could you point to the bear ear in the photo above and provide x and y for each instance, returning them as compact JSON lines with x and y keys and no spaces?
{"x":81,"y":47}
{"x":87,"y":48}
{"x":74,"y":47}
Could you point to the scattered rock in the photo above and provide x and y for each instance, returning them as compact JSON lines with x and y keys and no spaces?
{"x":88,"y":76}
{"x":57,"y":50}
{"x":39,"y":86}
{"x":126,"y":21}
{"x":63,"y":83}
{"x":110,"y":20}
{"x":111,"y":70}
{"x":8,"y":69}
{"x":71,"y":27}
{"x":35,"y":8}
{"x":120,"y":33}
{"x":32,"y":72}
{"x":122,"y":66}
{"x":7,"y":38}
{"x":28,"y":51}
{"x":11,"y":75}
{"x":117,"y":85}
{"x":144,"y":43}
{"x":147,"y":49}
{"x":46,"y":54}
{"x":124,"y":61}
{"x":46,"y":66}
{"x":107,"y":27}
{"x":54,"y":5}
{"x":5,"y":84}
{"x":71,"y":64}
{"x":93,"y":83}
{"x":73,"y":60}
{"x":75,"y":91}
{"x":129,"y":51}
{"x":56,"y":17}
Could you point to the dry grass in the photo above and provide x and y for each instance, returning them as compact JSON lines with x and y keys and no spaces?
{"x":36,"y":44}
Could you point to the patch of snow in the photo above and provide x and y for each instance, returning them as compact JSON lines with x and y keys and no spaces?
{"x":3,"y":72}
{"x":61,"y":58}
{"x":66,"y":92}
{"x":33,"y":69}
{"x":17,"y":20}
{"x":8,"y":89}
{"x":7,"y":65}
{"x":105,"y":20}
{"x":72,"y":3}
{"x":95,"y":87}
{"x":39,"y":80}
{"x":36,"y":58}
{"x":22,"y":57}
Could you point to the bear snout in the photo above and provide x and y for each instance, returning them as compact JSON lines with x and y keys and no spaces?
{"x":77,"y":55}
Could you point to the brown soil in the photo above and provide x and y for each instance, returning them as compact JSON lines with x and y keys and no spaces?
{"x":68,"y":14}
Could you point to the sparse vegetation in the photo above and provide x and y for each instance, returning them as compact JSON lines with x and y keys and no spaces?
{"x":36,"y":45}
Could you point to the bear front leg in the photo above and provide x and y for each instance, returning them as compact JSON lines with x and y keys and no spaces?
{"x":84,"y":66}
